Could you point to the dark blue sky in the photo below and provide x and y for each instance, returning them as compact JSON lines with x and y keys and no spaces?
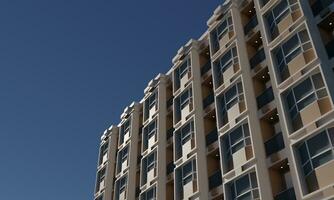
{"x":67,"y":70}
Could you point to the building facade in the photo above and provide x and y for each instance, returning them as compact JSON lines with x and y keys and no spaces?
{"x":245,"y":112}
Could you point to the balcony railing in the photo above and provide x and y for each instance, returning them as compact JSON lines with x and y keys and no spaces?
{"x":170,"y":168}
{"x":208,"y":100}
{"x":215,"y":180}
{"x":206,"y":67}
{"x":266,"y":97}
{"x":274,"y":144}
{"x":288,"y":194}
{"x":211,"y":137}
{"x":257,"y":58}
{"x":329,"y":49}
{"x":320,"y":5}
{"x":250,"y":25}
{"x":170,"y":133}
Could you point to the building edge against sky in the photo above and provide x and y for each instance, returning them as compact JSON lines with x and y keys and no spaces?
{"x":245,"y":112}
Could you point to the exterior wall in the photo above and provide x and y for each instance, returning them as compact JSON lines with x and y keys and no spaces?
{"x":270,"y":134}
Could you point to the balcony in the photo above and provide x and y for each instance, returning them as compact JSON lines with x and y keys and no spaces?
{"x":211,"y":137}
{"x":288,"y":194}
{"x":266,"y":97}
{"x":170,"y":133}
{"x":250,"y":25}
{"x":215,"y":180}
{"x":257,"y":58}
{"x":329,"y":49}
{"x":320,"y":5}
{"x":206,"y":68}
{"x":208,"y":100}
{"x":170,"y":168}
{"x":274,"y":144}
{"x":169,"y":102}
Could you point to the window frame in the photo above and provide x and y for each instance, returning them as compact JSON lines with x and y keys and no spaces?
{"x":237,"y":98}
{"x":294,"y":110}
{"x":310,"y":158}
{"x":252,"y":186}
{"x":187,"y":100}
{"x":123,"y":184}
{"x":245,"y":140}
{"x":186,"y":136}
{"x":300,"y":47}
{"x":192,"y":175}
{"x":276,"y":19}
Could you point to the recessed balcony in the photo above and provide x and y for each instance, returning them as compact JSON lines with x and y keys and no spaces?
{"x":274,"y":144}
{"x":258,"y":58}
{"x":321,"y":6}
{"x":266,"y":97}
{"x":250,"y":25}
{"x":211,"y":137}
{"x":215,"y":180}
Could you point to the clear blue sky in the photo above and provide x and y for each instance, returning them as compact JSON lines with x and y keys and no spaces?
{"x":67,"y":70}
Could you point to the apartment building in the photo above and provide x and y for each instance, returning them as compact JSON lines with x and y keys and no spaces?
{"x":245,"y":112}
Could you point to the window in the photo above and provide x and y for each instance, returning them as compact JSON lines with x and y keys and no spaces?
{"x":122,"y":184}
{"x":150,"y":194}
{"x":297,"y":44}
{"x":124,"y":154}
{"x":316,"y":151}
{"x":226,"y":61}
{"x":278,"y":13}
{"x":187,"y":132}
{"x":218,"y":33}
{"x":152,"y":100}
{"x":103,"y":151}
{"x":231,"y":97}
{"x":181,"y":71}
{"x":185,"y":98}
{"x":235,"y":140}
{"x":122,"y":157}
{"x":151,"y":161}
{"x":100,"y":178}
{"x":125,"y":128}
{"x":149,"y":132}
{"x":185,"y":67}
{"x":189,"y":172}
{"x":245,"y":187}
{"x":306,"y":92}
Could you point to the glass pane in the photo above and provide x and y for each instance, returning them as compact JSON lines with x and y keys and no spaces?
{"x":242,"y":184}
{"x":290,"y":100}
{"x":303,"y":35}
{"x":307,"y":101}
{"x":318,"y":143}
{"x":221,"y":27}
{"x":236,"y":135}
{"x":331,"y":135}
{"x":303,"y":153}
{"x":247,"y":196}
{"x":280,"y":7}
{"x":317,"y":81}
{"x":307,"y":168}
{"x":184,"y":97}
{"x":293,"y":54}
{"x":322,"y":159}
{"x":253,"y":179}
{"x":232,"y":92}
{"x":237,"y":146}
{"x":187,"y":169}
{"x":303,"y":89}
{"x":291,"y":44}
{"x":322,"y":93}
